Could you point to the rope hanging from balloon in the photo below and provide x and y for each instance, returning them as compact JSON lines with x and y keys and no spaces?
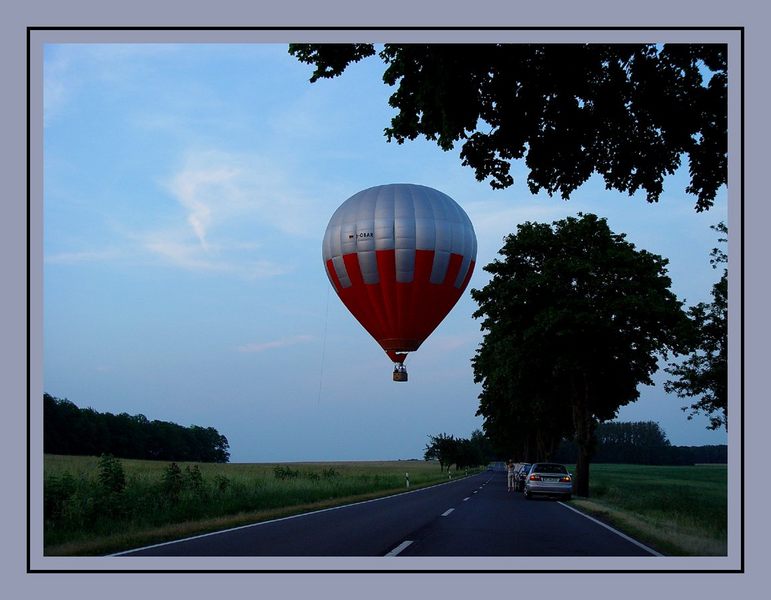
{"x":323,"y":347}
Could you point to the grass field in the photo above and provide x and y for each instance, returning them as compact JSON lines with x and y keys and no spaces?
{"x":680,"y":511}
{"x":88,"y":511}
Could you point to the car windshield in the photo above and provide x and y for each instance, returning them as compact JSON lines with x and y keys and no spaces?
{"x":549,"y":468}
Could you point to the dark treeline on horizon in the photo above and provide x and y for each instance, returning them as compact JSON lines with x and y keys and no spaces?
{"x":68,"y":429}
{"x":642,"y":443}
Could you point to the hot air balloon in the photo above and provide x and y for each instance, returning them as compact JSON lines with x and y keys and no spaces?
{"x":399,"y":257}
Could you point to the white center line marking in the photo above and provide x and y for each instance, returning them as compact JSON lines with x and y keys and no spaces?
{"x":399,"y":548}
{"x":466,"y":499}
{"x":447,"y":512}
{"x":475,"y":491}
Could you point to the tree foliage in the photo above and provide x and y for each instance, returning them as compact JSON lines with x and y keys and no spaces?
{"x":68,"y":429}
{"x":704,"y":374}
{"x":442,"y":448}
{"x":628,"y":112}
{"x":574,"y":319}
{"x":449,"y":450}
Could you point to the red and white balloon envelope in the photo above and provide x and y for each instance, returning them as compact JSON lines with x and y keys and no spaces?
{"x":399,"y":256}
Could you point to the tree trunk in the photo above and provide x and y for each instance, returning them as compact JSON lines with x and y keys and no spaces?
{"x":545,"y":447}
{"x":585,"y":425}
{"x":581,"y":484}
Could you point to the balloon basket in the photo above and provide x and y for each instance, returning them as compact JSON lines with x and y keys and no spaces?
{"x":400,"y":373}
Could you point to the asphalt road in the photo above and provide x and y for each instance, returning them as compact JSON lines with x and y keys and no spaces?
{"x":474,"y":516}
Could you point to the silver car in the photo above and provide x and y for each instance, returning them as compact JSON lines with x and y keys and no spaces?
{"x":549,"y":479}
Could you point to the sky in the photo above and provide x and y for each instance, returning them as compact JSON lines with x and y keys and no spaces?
{"x":186,"y":193}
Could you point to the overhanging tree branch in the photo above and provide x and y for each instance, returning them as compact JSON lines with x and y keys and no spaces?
{"x":629,"y":112}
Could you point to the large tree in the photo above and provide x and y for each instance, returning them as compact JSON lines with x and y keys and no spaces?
{"x":629,"y":112}
{"x":574,"y":320}
{"x":704,"y":374}
{"x":443,"y":448}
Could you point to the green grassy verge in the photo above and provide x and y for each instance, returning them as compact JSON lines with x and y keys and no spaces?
{"x":87,"y":513}
{"x":678,"y":511}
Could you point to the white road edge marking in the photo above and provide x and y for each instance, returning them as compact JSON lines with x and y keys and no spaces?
{"x":297,"y":516}
{"x":447,"y":512}
{"x":616,"y":531}
{"x":399,"y":548}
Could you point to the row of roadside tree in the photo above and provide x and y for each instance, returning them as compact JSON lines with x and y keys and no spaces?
{"x":641,"y":443}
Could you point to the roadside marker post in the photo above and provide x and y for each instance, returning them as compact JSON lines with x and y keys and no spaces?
{"x":407,"y":478}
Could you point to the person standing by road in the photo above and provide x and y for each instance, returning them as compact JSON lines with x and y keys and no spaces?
{"x":510,"y":475}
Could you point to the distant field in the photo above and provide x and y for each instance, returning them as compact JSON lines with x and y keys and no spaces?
{"x":84,"y":516}
{"x":87,"y":465}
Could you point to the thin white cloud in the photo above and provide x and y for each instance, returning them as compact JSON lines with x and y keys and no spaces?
{"x":234,"y":209}
{"x":280,"y":343}
{"x":192,"y":257}
{"x":66,"y":258}
{"x":199,"y":191}
{"x":237,"y":211}
{"x":218,"y":188}
{"x":494,"y":219}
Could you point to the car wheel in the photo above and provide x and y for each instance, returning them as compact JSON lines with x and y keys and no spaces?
{"x":568,"y":497}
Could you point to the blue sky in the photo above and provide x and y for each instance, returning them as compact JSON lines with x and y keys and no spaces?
{"x":187,"y":190}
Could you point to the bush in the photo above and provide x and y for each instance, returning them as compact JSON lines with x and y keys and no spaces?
{"x":221,"y":483}
{"x":195,"y":480}
{"x":111,"y":474}
{"x":57,"y":492}
{"x":172,"y":482}
{"x":282,"y":473}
